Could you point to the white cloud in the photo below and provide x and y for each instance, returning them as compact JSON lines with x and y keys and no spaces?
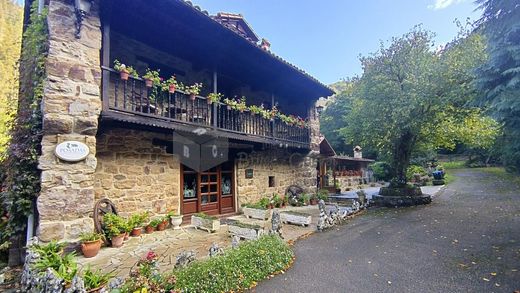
{"x":441,"y":4}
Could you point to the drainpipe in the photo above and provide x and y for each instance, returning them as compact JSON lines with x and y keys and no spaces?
{"x":40,"y":6}
{"x":30,"y":229}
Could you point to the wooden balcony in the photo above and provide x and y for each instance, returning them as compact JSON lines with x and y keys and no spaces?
{"x":132,"y":102}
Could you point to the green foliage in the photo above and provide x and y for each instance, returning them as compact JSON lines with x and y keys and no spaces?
{"x":454,"y":165}
{"x":95,"y":278}
{"x":91,"y":236}
{"x":238,"y":269}
{"x":382,"y":171}
{"x":114,"y":225}
{"x":10,"y":40}
{"x":138,"y":220}
{"x":22,"y":182}
{"x":205,"y":216}
{"x":415,"y":169}
{"x":155,"y":222}
{"x":413,"y":98}
{"x":499,"y":76}
{"x":64,"y":266}
{"x":323,"y":194}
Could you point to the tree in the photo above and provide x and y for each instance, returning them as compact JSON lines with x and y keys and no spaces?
{"x":499,"y":76}
{"x":10,"y":43}
{"x":411,"y":96}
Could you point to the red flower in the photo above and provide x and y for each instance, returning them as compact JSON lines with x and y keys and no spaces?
{"x":151,"y":255}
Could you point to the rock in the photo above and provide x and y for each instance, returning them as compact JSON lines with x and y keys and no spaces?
{"x":49,"y":231}
{"x":184,"y":259}
{"x":215,"y":250}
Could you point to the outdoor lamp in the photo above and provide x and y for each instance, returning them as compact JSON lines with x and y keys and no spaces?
{"x":82,"y":9}
{"x":319,"y":109}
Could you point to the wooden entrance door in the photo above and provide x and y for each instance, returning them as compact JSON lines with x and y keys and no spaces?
{"x":211,"y":192}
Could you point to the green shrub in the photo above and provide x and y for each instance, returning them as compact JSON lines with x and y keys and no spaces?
{"x":95,"y":278}
{"x":414,"y":169}
{"x":382,"y":171}
{"x":237,"y":269}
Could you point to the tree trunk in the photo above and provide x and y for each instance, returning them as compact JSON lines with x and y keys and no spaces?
{"x":401,"y":158}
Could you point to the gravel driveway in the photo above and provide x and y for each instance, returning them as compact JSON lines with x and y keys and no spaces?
{"x":467,"y":240}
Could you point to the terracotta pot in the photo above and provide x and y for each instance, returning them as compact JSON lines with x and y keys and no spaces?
{"x":126,"y":236}
{"x":148,"y":82}
{"x":171,"y":88}
{"x":117,"y":241}
{"x":314,"y":201}
{"x":161,"y":226}
{"x":136,"y":232}
{"x":149,"y":229}
{"x":192,"y":97}
{"x":124,"y":75}
{"x":90,"y":248}
{"x":96,"y":290}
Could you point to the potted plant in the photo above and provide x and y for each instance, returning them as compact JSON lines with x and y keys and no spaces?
{"x":257,"y":210}
{"x":114,"y":227}
{"x":95,"y":281}
{"x":136,"y":222}
{"x":124,"y":71}
{"x":169,"y":85}
{"x":313,"y":199}
{"x":323,"y":194}
{"x":152,"y":226}
{"x":277,"y":201}
{"x":256,"y":110}
{"x":90,"y":243}
{"x":151,"y":77}
{"x":163,"y":224}
{"x":205,"y":222}
{"x":273,"y":113}
{"x":193,"y":90}
{"x":214,"y":98}
{"x":230,"y":103}
{"x":175,"y":220}
{"x":241,"y":105}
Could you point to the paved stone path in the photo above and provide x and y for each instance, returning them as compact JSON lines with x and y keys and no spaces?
{"x":467,"y":240}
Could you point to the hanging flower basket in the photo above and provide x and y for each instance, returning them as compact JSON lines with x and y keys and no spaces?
{"x":193,"y":97}
{"x":171,"y":88}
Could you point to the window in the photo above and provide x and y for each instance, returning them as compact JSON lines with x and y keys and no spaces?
{"x":271,"y":181}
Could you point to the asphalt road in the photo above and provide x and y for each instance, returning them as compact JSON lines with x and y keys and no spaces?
{"x":467,"y":240}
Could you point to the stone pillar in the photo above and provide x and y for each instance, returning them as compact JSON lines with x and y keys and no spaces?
{"x":71,"y":106}
{"x":314,"y":125}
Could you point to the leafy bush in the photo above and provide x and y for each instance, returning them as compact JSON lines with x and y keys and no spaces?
{"x":95,"y":279}
{"x":114,"y":225}
{"x":64,"y":266}
{"x":323,"y":194}
{"x":236,"y":269}
{"x":414,"y":169}
{"x":382,"y":171}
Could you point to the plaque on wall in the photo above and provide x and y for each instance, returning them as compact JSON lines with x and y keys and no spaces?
{"x":72,"y":151}
{"x":249,"y":173}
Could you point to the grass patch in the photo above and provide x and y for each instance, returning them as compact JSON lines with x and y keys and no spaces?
{"x":454,"y":165}
{"x":448,"y":177}
{"x":237,"y":269}
{"x":503,"y":174}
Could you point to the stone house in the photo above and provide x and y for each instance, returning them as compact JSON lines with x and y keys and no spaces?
{"x":152,"y":150}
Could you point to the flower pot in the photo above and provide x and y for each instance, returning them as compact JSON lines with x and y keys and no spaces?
{"x":171,"y":88}
{"x":117,"y":241}
{"x":149,"y":229}
{"x":176,"y":221}
{"x":148,"y":82}
{"x":126,"y":236}
{"x":136,"y":232}
{"x":90,"y":248}
{"x":228,"y":107}
{"x":161,"y":226}
{"x":314,"y":201}
{"x":192,"y":97}
{"x":124,"y":75}
{"x":96,"y":290}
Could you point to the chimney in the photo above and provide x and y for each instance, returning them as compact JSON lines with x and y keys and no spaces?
{"x":357,"y":152}
{"x":265,"y":45}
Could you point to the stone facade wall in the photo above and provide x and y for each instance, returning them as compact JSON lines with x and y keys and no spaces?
{"x":287,"y":167}
{"x":136,"y":175}
{"x":70,"y":108}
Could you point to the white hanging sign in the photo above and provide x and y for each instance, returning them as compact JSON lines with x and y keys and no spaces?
{"x":72,"y":151}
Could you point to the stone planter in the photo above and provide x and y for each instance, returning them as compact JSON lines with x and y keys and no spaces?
{"x":176,"y":221}
{"x":245,"y":231}
{"x":210,"y":225}
{"x":295,"y":218}
{"x":256,"y":213}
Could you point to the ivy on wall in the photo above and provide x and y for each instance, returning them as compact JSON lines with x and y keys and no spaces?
{"x":22,"y":177}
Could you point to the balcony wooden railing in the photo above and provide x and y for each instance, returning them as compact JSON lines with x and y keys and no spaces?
{"x":133,"y":97}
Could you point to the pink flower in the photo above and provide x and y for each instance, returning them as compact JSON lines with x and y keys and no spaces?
{"x":151,"y":255}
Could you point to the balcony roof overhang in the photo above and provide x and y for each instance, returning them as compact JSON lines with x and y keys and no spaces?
{"x":179,"y":28}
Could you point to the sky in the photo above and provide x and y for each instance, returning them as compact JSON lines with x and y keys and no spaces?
{"x":326,"y":37}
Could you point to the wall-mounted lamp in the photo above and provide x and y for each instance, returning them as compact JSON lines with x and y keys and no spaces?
{"x":82,"y":9}
{"x":319,"y":109}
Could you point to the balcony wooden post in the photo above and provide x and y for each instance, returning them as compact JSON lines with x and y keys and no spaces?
{"x":106,"y":62}
{"x":215,"y":105}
